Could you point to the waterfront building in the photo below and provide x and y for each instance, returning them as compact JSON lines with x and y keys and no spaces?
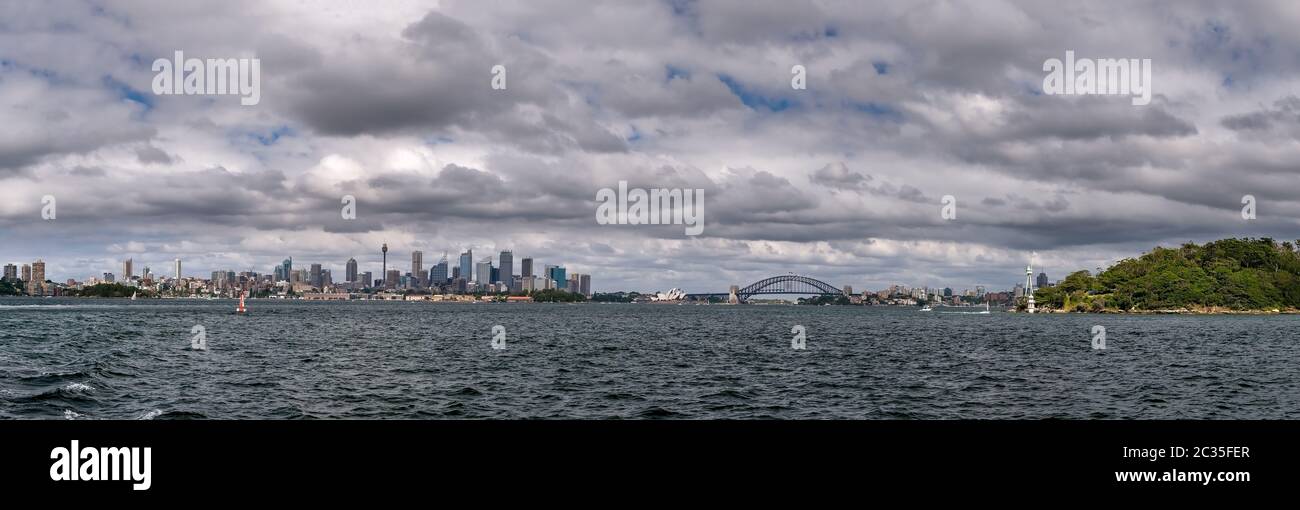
{"x":584,"y":285}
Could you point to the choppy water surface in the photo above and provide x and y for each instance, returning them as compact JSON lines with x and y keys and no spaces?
{"x":120,"y":359}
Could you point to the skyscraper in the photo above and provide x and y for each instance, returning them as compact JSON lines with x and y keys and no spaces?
{"x":584,"y":285}
{"x":11,"y":272}
{"x":27,"y":273}
{"x":36,"y":287}
{"x":467,"y":265}
{"x":484,"y":271}
{"x":288,"y":269}
{"x":391,"y":278}
{"x":526,"y":267}
{"x":176,"y":269}
{"x":438,"y":275}
{"x":127,"y":269}
{"x":507,"y":267}
{"x":417,"y":267}
{"x":556,"y":273}
{"x":316,"y":280}
{"x":1042,"y":280}
{"x":350,"y":273}
{"x":367,"y":279}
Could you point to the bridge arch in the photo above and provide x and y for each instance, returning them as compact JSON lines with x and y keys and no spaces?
{"x":787,"y":284}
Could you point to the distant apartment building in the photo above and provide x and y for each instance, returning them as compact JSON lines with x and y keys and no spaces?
{"x":36,"y":286}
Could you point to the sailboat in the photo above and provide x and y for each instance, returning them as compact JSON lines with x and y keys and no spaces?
{"x":241,"y":308}
{"x":133,"y":295}
{"x":926,"y":308}
{"x":986,"y":309}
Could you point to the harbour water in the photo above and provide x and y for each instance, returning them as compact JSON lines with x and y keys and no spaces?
{"x":121,"y":359}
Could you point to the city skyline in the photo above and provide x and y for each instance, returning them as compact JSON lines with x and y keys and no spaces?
{"x":319,"y":273}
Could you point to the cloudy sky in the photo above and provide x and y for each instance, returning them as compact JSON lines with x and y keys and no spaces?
{"x":391,"y":102}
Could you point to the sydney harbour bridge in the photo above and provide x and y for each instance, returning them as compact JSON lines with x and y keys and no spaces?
{"x":784,"y":284}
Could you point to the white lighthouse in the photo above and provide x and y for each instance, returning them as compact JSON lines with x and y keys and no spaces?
{"x":1029,"y":285}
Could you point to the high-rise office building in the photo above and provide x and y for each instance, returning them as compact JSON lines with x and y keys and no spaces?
{"x":507,"y":268}
{"x":287,"y":266}
{"x":484,"y":271}
{"x":316,"y":275}
{"x":417,"y":267}
{"x":1042,"y":280}
{"x":350,"y":273}
{"x":557,"y":274}
{"x":526,"y":267}
{"x":367,"y":279}
{"x":127,"y":269}
{"x":466,"y":265}
{"x":11,"y":272}
{"x":438,"y":275}
{"x":27,"y":273}
{"x":392,"y":278}
{"x":584,"y":285}
{"x":36,"y":287}
{"x":176,"y":269}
